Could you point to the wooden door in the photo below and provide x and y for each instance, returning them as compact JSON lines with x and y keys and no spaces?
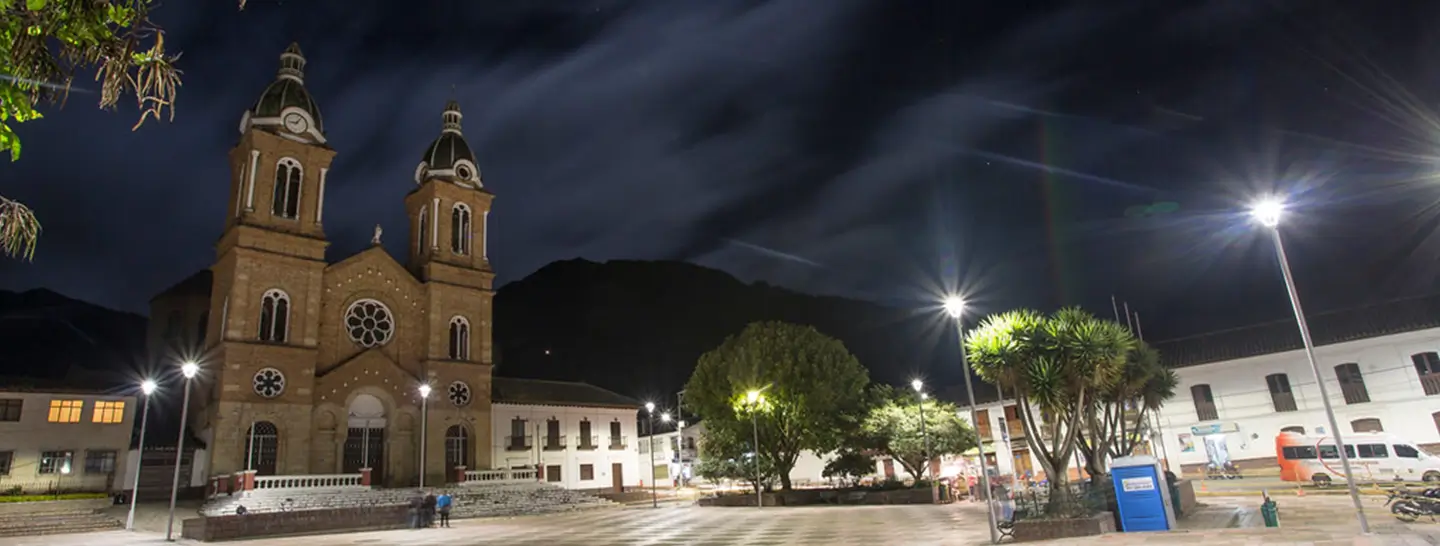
{"x":617,"y":473}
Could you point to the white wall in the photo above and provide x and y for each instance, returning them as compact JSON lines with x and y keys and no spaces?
{"x":809,"y":467}
{"x":1248,"y":417}
{"x":33,"y":434}
{"x":571,"y":457}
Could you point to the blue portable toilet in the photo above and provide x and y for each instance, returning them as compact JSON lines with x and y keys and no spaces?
{"x":1142,"y":494}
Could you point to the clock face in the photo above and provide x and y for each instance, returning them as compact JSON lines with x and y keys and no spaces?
{"x":295,"y":123}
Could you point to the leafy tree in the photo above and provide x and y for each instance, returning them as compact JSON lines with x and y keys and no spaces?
{"x":727,"y":458}
{"x":1055,"y":364}
{"x":813,"y":391}
{"x":1118,"y":416}
{"x":893,"y":428}
{"x":44,"y":42}
{"x":849,"y":466}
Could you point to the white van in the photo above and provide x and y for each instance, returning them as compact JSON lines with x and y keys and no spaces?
{"x":1373,"y":457}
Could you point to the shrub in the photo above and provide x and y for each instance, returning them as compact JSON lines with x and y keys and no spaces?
{"x":10,"y":496}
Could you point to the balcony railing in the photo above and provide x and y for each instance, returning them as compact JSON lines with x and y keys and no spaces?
{"x":1283,"y":401}
{"x":517,"y":443}
{"x":1206,"y":412}
{"x":554,"y":443}
{"x":1431,"y":383}
{"x":1355,"y":393}
{"x":589,"y":443}
{"x":618,"y":442}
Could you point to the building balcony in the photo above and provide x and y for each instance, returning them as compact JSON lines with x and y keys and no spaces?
{"x":554,"y":443}
{"x":1283,"y":401}
{"x":1355,"y":393}
{"x":1431,"y":383}
{"x":589,"y":443}
{"x":618,"y":442}
{"x":518,"y":443}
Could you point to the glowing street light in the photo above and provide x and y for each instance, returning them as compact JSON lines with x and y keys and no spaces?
{"x":650,"y":441}
{"x":148,"y":387}
{"x":1268,"y":213}
{"x":919,"y":387}
{"x":424,"y":416}
{"x":752,"y":401}
{"x":189,"y":369}
{"x":955,"y":307}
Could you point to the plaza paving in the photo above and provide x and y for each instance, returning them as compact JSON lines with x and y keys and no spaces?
{"x":1309,"y":520}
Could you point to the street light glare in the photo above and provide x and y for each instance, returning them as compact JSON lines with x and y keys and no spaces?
{"x":424,"y":391}
{"x":665,"y":417}
{"x":752,"y":397}
{"x":650,"y":407}
{"x":189,"y":369}
{"x":148,"y":387}
{"x":917,"y":384}
{"x":1267,"y":211}
{"x":954,"y":306}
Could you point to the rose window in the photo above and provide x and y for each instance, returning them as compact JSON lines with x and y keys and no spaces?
{"x":459,"y":393}
{"x":369,"y":323}
{"x":269,"y":382}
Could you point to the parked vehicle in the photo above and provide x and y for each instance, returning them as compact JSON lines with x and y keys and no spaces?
{"x":1373,"y":458}
{"x":1408,"y":506}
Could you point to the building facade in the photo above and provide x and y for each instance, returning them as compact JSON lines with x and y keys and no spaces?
{"x":64,"y":439}
{"x":1239,"y":389}
{"x":578,"y":435}
{"x":672,"y":453}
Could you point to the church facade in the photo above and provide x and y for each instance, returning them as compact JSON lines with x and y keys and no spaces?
{"x":314,"y":367}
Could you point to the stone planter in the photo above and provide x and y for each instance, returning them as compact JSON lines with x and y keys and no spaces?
{"x":46,"y":507}
{"x":1048,"y":529}
{"x":233,"y":527}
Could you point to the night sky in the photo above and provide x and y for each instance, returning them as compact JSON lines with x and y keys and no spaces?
{"x":878,"y":149}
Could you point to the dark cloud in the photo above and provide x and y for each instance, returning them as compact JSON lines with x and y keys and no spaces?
{"x":871,"y":148}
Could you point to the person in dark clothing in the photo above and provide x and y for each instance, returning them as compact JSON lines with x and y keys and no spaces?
{"x":429,"y":509}
{"x":417,"y":503}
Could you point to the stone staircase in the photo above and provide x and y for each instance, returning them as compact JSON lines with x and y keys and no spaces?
{"x":50,"y":522}
{"x":471,"y":501}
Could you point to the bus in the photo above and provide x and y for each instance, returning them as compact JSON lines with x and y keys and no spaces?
{"x":1373,"y":458}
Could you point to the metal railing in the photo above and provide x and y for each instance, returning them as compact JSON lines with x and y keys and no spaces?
{"x":589,"y":442}
{"x":554,"y":443}
{"x":508,"y":475}
{"x":617,"y":442}
{"x":1431,"y":383}
{"x":1283,"y":401}
{"x":1206,"y":412}
{"x":517,"y":443}
{"x":313,"y":481}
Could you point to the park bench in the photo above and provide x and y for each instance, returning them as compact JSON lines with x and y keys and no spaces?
{"x":1007,"y":527}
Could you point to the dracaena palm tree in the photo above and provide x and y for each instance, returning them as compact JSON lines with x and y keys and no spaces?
{"x":1055,"y":365}
{"x":1118,"y":416}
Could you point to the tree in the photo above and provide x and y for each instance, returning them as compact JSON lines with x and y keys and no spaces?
{"x":893,"y":428}
{"x":812,"y":391}
{"x":1118,"y":416}
{"x":45,"y":42}
{"x":728,"y":458}
{"x":1054,"y":364}
{"x":849,"y":466}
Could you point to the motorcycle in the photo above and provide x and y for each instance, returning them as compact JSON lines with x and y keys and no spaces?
{"x":1408,"y":507}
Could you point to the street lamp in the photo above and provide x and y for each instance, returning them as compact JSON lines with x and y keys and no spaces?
{"x":650,"y":444}
{"x":919,"y":387}
{"x":148,"y":387}
{"x":752,"y":401}
{"x":1268,"y":212}
{"x":189,"y":369}
{"x":424,"y":414}
{"x":955,"y":307}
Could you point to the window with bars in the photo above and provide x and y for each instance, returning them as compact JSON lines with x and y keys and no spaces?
{"x":65,"y":411}
{"x":56,"y":462}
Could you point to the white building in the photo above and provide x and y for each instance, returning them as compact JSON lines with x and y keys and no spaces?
{"x":1240,"y":388}
{"x":581,"y":436}
{"x":670,"y":446}
{"x":64,"y":439}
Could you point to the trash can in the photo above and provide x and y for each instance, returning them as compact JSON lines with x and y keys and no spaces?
{"x":1270,"y":512}
{"x":1141,"y":495}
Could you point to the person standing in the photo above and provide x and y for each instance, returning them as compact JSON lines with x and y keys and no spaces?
{"x":429,"y":509}
{"x":417,"y":502}
{"x":442,"y":503}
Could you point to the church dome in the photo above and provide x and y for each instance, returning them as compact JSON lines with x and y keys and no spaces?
{"x":449,"y":156}
{"x":286,"y":103}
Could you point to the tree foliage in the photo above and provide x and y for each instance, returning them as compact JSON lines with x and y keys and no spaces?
{"x":1118,"y":417}
{"x":849,"y":466}
{"x":1056,"y":364}
{"x":894,"y":428}
{"x":813,"y":391}
{"x":44,"y":43}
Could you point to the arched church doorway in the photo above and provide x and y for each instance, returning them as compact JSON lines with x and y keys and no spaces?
{"x":457,"y":447}
{"x":262,"y":444}
{"x":365,"y":442}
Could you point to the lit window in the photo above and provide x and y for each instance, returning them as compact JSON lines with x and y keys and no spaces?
{"x":65,"y":411}
{"x":56,"y":462}
{"x":109,"y":411}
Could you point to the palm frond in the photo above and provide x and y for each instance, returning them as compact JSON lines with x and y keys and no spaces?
{"x":19,"y":229}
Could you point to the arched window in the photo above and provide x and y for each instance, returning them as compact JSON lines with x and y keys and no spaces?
{"x":287,"y":189}
{"x":457,"y":447}
{"x":1352,"y":384}
{"x":1295,"y":429}
{"x":1366,"y":425}
{"x":1280,"y":396}
{"x":459,"y":339}
{"x":274,"y":316}
{"x":261,"y":446}
{"x":1427,"y":365}
{"x":1204,"y":403}
{"x":460,"y":229}
{"x":422,"y":230}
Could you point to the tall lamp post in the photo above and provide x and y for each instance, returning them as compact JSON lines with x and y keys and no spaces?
{"x":955,"y":307}
{"x":650,"y":448}
{"x":424,"y":426}
{"x":664,"y":418}
{"x":148,"y":388}
{"x":188,"y":369}
{"x":1268,"y":212}
{"x":919,"y":387}
{"x":752,"y":401}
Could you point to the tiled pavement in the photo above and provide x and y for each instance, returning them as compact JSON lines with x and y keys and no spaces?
{"x":1311,"y":520}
